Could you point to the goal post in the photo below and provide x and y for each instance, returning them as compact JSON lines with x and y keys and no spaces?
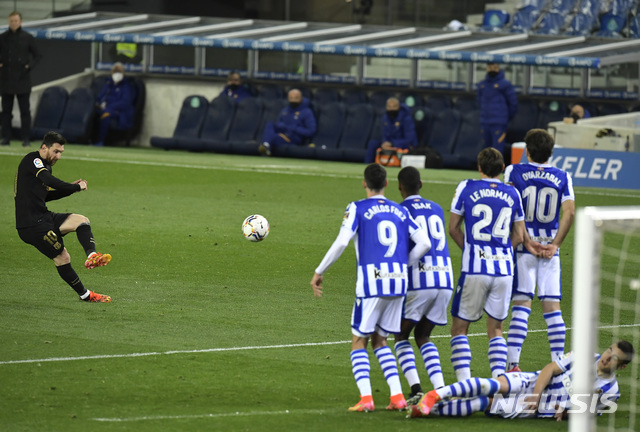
{"x":605,"y":236}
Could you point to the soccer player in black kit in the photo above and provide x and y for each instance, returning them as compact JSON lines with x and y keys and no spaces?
{"x":37,"y":226}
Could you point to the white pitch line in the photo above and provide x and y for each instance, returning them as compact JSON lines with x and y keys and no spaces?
{"x":245,"y":348}
{"x":196,"y":416}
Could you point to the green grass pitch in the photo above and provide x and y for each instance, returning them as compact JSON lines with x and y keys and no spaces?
{"x":208,"y":331}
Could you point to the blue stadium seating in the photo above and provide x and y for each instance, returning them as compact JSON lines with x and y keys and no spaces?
{"x":524,"y":19}
{"x":634,"y":26}
{"x":269,"y":112}
{"x":190,"y":119}
{"x":551,"y":111}
{"x":466,"y":103}
{"x":306,"y":91}
{"x":356,"y":131}
{"x":468,"y":143}
{"x":437,"y":102}
{"x":77,"y":119}
{"x":494,"y":20}
{"x":331,"y":121}
{"x":611,"y":108}
{"x":551,"y":23}
{"x":354,"y":96}
{"x":377,"y":128}
{"x":442,"y":136}
{"x":422,"y":118}
{"x":412,"y":99}
{"x":97,"y":83}
{"x":270,"y":91}
{"x":524,"y":120}
{"x":562,"y":6}
{"x":324,"y":95}
{"x":611,"y":25}
{"x":581,"y":25}
{"x":217,"y":122}
{"x":378,"y":100}
{"x":49,"y":112}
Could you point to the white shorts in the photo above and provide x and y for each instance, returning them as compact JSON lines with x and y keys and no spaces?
{"x":477,"y":292}
{"x":535,"y":272}
{"x":429,"y":303}
{"x":382,"y":315}
{"x":513,"y":404}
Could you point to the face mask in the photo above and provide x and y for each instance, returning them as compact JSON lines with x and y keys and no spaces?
{"x":117,"y":77}
{"x":575,"y":117}
{"x":392,"y":114}
{"x":294,"y":105}
{"x":492,"y":74}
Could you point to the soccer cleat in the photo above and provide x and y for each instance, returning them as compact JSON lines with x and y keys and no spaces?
{"x":94,"y":297}
{"x":413,"y":400}
{"x":397,"y":403}
{"x":265,"y":149}
{"x":365,"y":405}
{"x":514,"y":369}
{"x":414,"y":412}
{"x":97,"y":259}
{"x":428,"y":401}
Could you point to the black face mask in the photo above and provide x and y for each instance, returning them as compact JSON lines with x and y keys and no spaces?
{"x":294,"y":105}
{"x":492,"y":74}
{"x":393,"y":114}
{"x":575,"y":117}
{"x":233,"y":87}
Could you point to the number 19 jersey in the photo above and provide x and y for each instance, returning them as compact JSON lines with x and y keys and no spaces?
{"x":543,"y":188}
{"x":490,"y":208}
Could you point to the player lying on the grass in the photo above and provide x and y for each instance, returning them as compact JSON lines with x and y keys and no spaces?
{"x":43,"y":229}
{"x":429,"y":291}
{"x":382,"y":232}
{"x":539,"y":394}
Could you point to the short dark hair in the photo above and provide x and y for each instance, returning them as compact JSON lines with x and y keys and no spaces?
{"x":53,"y":137}
{"x":491,"y":162}
{"x":628,"y":351}
{"x":16,"y":13}
{"x":375,"y":176}
{"x":409,"y":178}
{"x":539,"y":145}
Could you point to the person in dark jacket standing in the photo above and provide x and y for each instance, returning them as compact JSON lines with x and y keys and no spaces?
{"x":115,"y":103}
{"x":398,"y":130}
{"x":498,"y":105}
{"x":18,"y":57}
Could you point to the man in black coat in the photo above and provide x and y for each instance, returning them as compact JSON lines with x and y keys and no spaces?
{"x":18,"y":56}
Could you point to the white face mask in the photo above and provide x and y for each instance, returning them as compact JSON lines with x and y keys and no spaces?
{"x":117,"y":77}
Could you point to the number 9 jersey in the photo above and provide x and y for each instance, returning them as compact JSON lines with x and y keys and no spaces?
{"x":544,"y":188}
{"x":490,"y":208}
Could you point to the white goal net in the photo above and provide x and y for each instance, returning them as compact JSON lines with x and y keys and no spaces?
{"x":606,"y":308}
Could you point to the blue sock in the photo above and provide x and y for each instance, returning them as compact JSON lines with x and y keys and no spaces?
{"x":361,"y":368}
{"x":497,"y":356}
{"x":431,"y":359}
{"x":461,"y":357}
{"x":390,"y":369}
{"x":407,"y":360}
{"x":518,"y":329}
{"x":460,"y":407}
{"x":556,"y":331}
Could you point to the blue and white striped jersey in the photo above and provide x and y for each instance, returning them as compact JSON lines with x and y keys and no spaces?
{"x":543,"y":189}
{"x":382,"y":231}
{"x":490,"y":208}
{"x":434,"y":269}
{"x":559,"y":390}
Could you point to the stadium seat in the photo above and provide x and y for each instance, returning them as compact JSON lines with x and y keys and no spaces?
{"x":551,"y":111}
{"x":192,"y":113}
{"x":270,"y":91}
{"x":306,"y":91}
{"x":49,"y":112}
{"x":356,"y":131}
{"x":551,"y":23}
{"x":325,"y":95}
{"x":524,"y":19}
{"x":494,"y":20}
{"x":422,"y":118}
{"x":411,"y":99}
{"x":524,"y":120}
{"x":611,"y":108}
{"x":611,"y":25}
{"x":139,"y":101}
{"x":442,"y":136}
{"x":468,"y":143}
{"x":466,"y":103}
{"x":78,"y":116}
{"x":580,"y":25}
{"x":634,"y":26}
{"x":562,"y":6}
{"x":216,"y":124}
{"x":378,"y":126}
{"x":354,"y":96}
{"x":331,"y":121}
{"x":378,"y":100}
{"x":270,"y":111}
{"x":437,"y":102}
{"x":97,"y":83}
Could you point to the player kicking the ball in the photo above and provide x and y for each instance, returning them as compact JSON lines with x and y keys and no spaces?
{"x":43,"y":229}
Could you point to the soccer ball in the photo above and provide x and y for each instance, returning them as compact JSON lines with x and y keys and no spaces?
{"x":255,"y":228}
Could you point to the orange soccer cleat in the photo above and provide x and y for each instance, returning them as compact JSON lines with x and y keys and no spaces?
{"x":97,"y":259}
